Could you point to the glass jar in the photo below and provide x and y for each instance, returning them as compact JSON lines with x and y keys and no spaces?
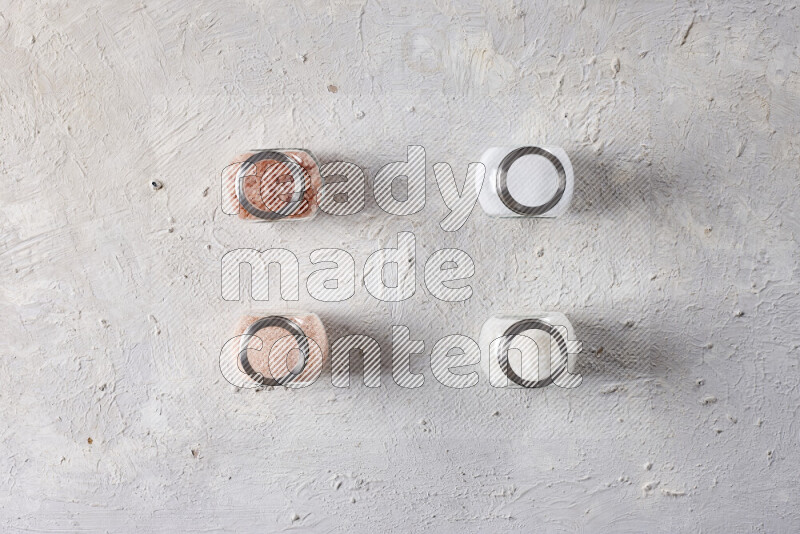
{"x":530,"y":350}
{"x":527,"y":181}
{"x":272,"y":185}
{"x":275,"y":349}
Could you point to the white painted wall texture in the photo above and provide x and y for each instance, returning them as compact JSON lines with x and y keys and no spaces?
{"x":678,"y":264}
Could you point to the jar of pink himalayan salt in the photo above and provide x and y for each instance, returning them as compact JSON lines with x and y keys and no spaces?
{"x":286,"y":349}
{"x":273,"y":185}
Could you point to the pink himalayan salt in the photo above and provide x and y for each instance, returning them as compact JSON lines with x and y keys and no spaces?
{"x":269,"y":187}
{"x":285,"y":355}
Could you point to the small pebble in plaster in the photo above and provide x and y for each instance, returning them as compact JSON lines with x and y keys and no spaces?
{"x":710,"y":346}
{"x":155,"y":185}
{"x":205,"y":191}
{"x":709,"y":399}
{"x":411,"y":109}
{"x":295,"y":517}
{"x":90,"y":441}
{"x":359,"y":114}
{"x":615,"y":65}
{"x":612,"y":389}
{"x":301,"y":58}
{"x":649,"y":486}
{"x":337,"y":484}
{"x":332,"y":89}
{"x":739,"y":313}
{"x":352,"y":499}
{"x":648,"y":466}
{"x":195,"y":452}
{"x":496,"y":413}
{"x":700,"y":381}
{"x":732,"y":419}
{"x":708,"y":230}
{"x":740,"y":149}
{"x":672,"y":493}
{"x":540,"y":252}
{"x":103,"y":323}
{"x":629,"y":323}
{"x":770,"y":456}
{"x":653,"y":276}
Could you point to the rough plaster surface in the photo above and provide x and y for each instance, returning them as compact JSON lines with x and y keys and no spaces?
{"x":678,"y":264}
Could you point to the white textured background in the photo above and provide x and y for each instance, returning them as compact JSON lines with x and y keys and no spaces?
{"x":678,"y":264}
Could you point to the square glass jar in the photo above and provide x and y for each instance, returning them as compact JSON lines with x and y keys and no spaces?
{"x":276,"y":349}
{"x":529,"y":350}
{"x":525,"y":181}
{"x":272,"y":185}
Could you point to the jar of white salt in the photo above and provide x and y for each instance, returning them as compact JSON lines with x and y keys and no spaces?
{"x":530,"y":350}
{"x":526,"y":181}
